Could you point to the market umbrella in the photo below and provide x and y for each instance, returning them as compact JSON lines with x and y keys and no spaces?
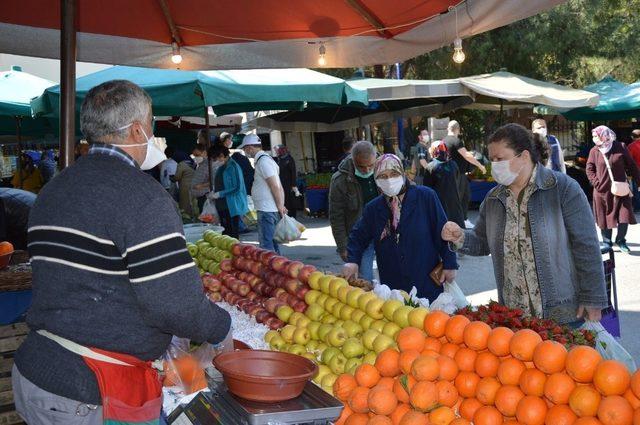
{"x":188,"y":93}
{"x":232,"y":34}
{"x":621,"y":101}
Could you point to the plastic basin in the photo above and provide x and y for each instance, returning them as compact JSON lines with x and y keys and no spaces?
{"x":265,"y":376}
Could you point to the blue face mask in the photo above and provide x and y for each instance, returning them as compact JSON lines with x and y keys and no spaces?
{"x":363,"y":175}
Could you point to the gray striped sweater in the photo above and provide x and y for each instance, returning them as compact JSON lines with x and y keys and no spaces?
{"x":110,"y":270}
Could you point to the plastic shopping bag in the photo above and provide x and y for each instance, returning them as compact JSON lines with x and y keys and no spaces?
{"x":444,"y":302}
{"x":184,"y":365}
{"x":456,"y":293}
{"x":209,"y":213}
{"x":607,"y":346}
{"x":288,"y":229}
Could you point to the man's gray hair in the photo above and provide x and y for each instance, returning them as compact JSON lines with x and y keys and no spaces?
{"x":363,"y":148}
{"x":453,"y":125}
{"x":113,"y":105}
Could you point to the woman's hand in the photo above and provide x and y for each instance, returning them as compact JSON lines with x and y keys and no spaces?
{"x":451,"y":232}
{"x":589,"y":313}
{"x":448,"y":276}
{"x":350,"y":270}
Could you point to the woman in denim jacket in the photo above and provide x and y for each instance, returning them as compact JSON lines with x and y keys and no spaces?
{"x":536,"y":225}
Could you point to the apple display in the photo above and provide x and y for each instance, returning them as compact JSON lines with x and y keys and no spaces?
{"x":391,"y":329}
{"x":342,"y":293}
{"x":364,"y":299}
{"x":314,"y":280}
{"x":389,"y":307}
{"x":284,"y":313}
{"x":335,"y":285}
{"x":323,"y":371}
{"x":335,"y":309}
{"x":324,"y":283}
{"x":314,"y":328}
{"x":323,"y":331}
{"x":346,"y":312}
{"x":370,"y":358}
{"x":352,"y":364}
{"x":312,"y":296}
{"x":381,"y":343}
{"x":295,"y":316}
{"x":301,"y":336}
{"x":357,"y":315}
{"x":277,"y":342}
{"x":293,"y":269}
{"x":314,"y":312}
{"x":327,"y":318}
{"x":366,"y":322}
{"x":353,"y":329}
{"x":337,"y":363}
{"x":352,"y":347}
{"x":297,"y":349}
{"x":401,"y":316}
{"x":305,"y":273}
{"x":287,"y":333}
{"x":378,"y":325}
{"x":337,"y":337}
{"x":328,"y":354}
{"x":303,"y":322}
{"x":368,"y":337}
{"x":417,"y":316}
{"x":330,"y":303}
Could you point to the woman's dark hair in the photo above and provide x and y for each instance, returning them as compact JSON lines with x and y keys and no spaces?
{"x":519,"y":139}
{"x":218,"y":150}
{"x":199,"y":147}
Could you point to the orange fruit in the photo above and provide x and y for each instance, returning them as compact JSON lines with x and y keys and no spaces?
{"x":441,"y":416}
{"x":358,"y":400}
{"x":636,"y":417}
{"x":611,"y":377}
{"x":406,"y":359}
{"x":454,"y":330}
{"x":507,"y":399}
{"x":447,"y":393}
{"x":581,"y":363}
{"x":523,"y":344}
{"x":432,"y":344}
{"x":468,"y":408}
{"x":532,"y":382}
{"x":435,"y":323}
{"x":400,"y":391}
{"x":466,"y":384}
{"x":476,"y":335}
{"x":487,"y":415}
{"x":387,"y":362}
{"x":424,"y":396}
{"x":486,"y":364}
{"x":367,"y":375}
{"x":486,"y":391}
{"x":635,"y":383}
{"x":425,"y":368}
{"x":343,"y":386}
{"x":632,"y":399}
{"x":550,"y":356}
{"x":448,"y":349}
{"x":615,"y":410}
{"x":531,"y":410}
{"x":448,"y":368}
{"x":460,"y":421}
{"x":6,"y":247}
{"x":413,"y":417}
{"x":410,"y":338}
{"x":465,"y":359}
{"x":357,"y":419}
{"x":385,"y":382}
{"x":346,"y":412}
{"x":584,"y":400}
{"x":510,"y":370}
{"x":430,"y":353}
{"x":560,"y":414}
{"x":382,"y":401}
{"x":498,"y":341}
{"x":587,"y":421}
{"x":558,"y":388}
{"x":400,"y":411}
{"x":380,"y":420}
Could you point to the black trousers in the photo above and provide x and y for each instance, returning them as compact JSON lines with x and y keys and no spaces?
{"x":231,"y":224}
{"x":607,"y":234}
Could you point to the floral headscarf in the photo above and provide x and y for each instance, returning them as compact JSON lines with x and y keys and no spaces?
{"x":606,"y":136}
{"x":384,"y":163}
{"x":388,"y":161}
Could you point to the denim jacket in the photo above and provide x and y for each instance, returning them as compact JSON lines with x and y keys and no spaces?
{"x":565,"y":244}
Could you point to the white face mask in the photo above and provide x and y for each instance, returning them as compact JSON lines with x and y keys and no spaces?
{"x":198,"y":159}
{"x":501,"y":172}
{"x":392,"y":186}
{"x":155,"y":154}
{"x":541,"y":131}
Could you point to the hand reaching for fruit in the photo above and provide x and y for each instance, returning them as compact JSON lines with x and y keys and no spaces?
{"x":451,"y":232}
{"x":350,"y":270}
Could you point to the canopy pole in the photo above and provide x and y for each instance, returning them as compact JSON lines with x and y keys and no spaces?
{"x":400,"y":121}
{"x":67,"y":81}
{"x":19,"y":137}
{"x":206,"y":126}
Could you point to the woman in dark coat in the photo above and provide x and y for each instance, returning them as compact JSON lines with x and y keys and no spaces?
{"x":443,"y":176}
{"x":288,"y":178}
{"x":611,"y":211}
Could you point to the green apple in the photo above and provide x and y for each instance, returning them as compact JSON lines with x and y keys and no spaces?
{"x":311,"y":297}
{"x":357,"y":315}
{"x":314,"y":280}
{"x":353,"y":295}
{"x":401,"y":316}
{"x":364,"y":299}
{"x":328,"y":319}
{"x":374,"y":308}
{"x":301,"y":336}
{"x":343,"y":292}
{"x":328,"y":354}
{"x":335,"y":309}
{"x":353,"y":329}
{"x":293,"y":319}
{"x":366,"y":322}
{"x":330,"y":303}
{"x":324,"y":330}
{"x":417,"y":316}
{"x":287,"y":332}
{"x":321,"y":347}
{"x":337,"y":337}
{"x":337,"y":363}
{"x":389,"y":307}
{"x":323,"y":370}
{"x":368,"y":337}
{"x":335,"y":285}
{"x":277,"y":342}
{"x":381,"y":343}
{"x":322,"y":300}
{"x":352,"y":365}
{"x":193,"y":249}
{"x":352,"y":347}
{"x":338,"y":322}
{"x":310,"y":356}
{"x":370,"y":358}
{"x":378,"y":325}
{"x":303,"y":322}
{"x":391,"y":329}
{"x":313,"y":329}
{"x":312,"y":345}
{"x":269,"y":335}
{"x":327,"y":382}
{"x":324,"y":283}
{"x":284,"y":313}
{"x":297,"y":349}
{"x":346,"y":312}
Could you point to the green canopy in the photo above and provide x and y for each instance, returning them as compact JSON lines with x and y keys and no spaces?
{"x":187,"y":93}
{"x":617,"y":101}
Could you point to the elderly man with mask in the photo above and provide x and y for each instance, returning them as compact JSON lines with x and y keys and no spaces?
{"x":112,"y":278}
{"x":404,"y":224}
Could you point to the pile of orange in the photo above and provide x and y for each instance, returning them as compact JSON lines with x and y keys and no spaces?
{"x":455,"y":372}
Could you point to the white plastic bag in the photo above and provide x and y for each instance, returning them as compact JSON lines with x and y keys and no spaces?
{"x":209,"y":213}
{"x":288,"y":229}
{"x":444,"y":302}
{"x":456,"y":293}
{"x":608,"y":347}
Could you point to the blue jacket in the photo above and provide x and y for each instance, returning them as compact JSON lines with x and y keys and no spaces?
{"x":234,"y":191}
{"x":407,"y":260}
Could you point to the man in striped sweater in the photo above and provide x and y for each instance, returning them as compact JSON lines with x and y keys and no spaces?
{"x":110,"y":266}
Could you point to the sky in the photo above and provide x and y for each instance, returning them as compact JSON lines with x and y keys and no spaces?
{"x":45,"y":68}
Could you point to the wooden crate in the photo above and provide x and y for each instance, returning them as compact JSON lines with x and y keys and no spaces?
{"x":11,"y":336}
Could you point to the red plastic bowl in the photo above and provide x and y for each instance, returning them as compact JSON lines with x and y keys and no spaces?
{"x":239,"y":345}
{"x":5,"y":259}
{"x":265,"y":376}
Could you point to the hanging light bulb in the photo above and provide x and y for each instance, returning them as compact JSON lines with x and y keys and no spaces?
{"x":321,"y":56}
{"x":458,"y":54}
{"x":176,"y":57}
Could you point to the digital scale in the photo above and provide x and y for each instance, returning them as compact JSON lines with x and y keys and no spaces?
{"x":220,"y":407}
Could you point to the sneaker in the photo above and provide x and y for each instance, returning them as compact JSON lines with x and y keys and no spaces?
{"x":623,"y":247}
{"x":605,"y":247}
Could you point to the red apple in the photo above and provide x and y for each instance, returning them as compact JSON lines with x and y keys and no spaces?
{"x":300,"y":293}
{"x":262,"y":316}
{"x":274,"y":323}
{"x":255,"y":255}
{"x":253,"y":280}
{"x":292,"y":286}
{"x":248,"y":306}
{"x":293,"y":269}
{"x":255,"y":309}
{"x":228,"y":296}
{"x":278,"y":291}
{"x":226,"y":265}
{"x":243,"y":289}
{"x":235,"y":262}
{"x":222,"y":274}
{"x":292,"y":299}
{"x":242,"y":302}
{"x":305,"y":272}
{"x":277,"y":263}
{"x":284,"y":297}
{"x":300,"y":306}
{"x":256,"y":268}
{"x":266,"y":256}
{"x":253,"y":296}
{"x":236,"y":250}
{"x":248,"y":250}
{"x":270,"y":304}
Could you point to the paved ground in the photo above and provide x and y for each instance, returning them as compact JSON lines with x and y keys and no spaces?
{"x":476,"y":273}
